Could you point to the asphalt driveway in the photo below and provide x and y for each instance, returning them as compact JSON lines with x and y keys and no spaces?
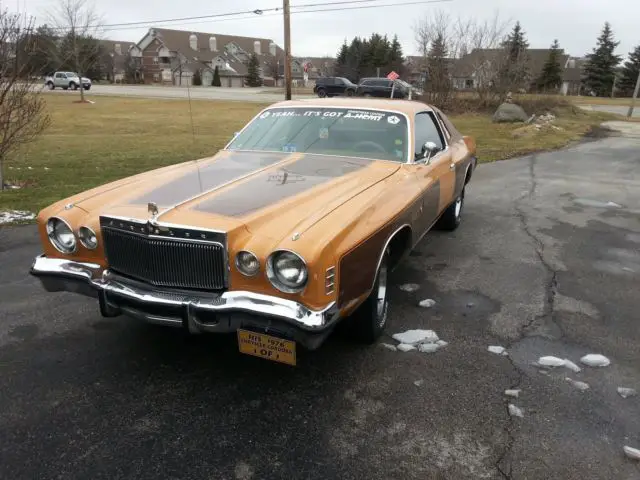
{"x":546,"y":262}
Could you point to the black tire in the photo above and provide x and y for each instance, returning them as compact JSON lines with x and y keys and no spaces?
{"x":88,"y":88}
{"x":73,"y":86}
{"x":50,"y":85}
{"x":369,"y":321}
{"x":350,"y":93}
{"x":322,"y":92}
{"x":452,"y":216}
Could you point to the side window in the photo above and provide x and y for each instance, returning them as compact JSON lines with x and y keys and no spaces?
{"x":366,"y":83}
{"x":59,"y":75}
{"x":426,"y":130}
{"x":444,"y":127}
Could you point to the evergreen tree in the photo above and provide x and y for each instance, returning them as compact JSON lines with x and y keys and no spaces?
{"x":514,"y":72}
{"x":216,"y":78}
{"x":395,"y":57}
{"x":600,"y":70}
{"x":253,"y":72}
{"x":551,"y":76}
{"x":341,"y":60}
{"x":197,"y":78}
{"x":437,"y":65}
{"x":630,"y":71}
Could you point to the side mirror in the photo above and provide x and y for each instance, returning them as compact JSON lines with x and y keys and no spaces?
{"x":428,"y":150}
{"x":235,"y":134}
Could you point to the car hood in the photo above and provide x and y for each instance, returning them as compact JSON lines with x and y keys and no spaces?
{"x":271,"y":194}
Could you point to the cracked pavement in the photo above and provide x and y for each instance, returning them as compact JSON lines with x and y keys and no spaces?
{"x":542,"y":264}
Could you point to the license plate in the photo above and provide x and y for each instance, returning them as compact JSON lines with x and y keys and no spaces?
{"x":267,"y":346}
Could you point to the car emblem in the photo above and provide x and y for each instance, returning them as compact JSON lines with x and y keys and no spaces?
{"x":393,"y":120}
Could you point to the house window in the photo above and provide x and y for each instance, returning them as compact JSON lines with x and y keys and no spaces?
{"x":156,"y":77}
{"x":469,"y":83}
{"x":155,"y":60}
{"x":164,"y":60}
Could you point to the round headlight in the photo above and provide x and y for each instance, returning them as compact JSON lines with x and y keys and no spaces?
{"x":287,"y":271}
{"x":247,"y":263}
{"x":60,"y":235}
{"x":88,"y":238}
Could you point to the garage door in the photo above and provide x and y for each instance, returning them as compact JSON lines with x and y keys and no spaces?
{"x":236,"y":82}
{"x":207,"y":78}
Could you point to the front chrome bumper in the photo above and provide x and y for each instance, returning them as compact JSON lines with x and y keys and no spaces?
{"x":197,"y":311}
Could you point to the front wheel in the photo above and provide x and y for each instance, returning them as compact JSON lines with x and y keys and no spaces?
{"x":50,"y":85}
{"x":73,"y":86}
{"x":87,"y":87}
{"x":322,"y":92}
{"x":367,"y":95}
{"x":452,"y":216}
{"x":369,"y":321}
{"x":350,"y":93}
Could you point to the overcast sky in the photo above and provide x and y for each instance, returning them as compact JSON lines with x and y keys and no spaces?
{"x":576,"y":24}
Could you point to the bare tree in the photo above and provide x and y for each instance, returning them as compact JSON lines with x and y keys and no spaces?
{"x":474,"y":47}
{"x":78,"y":27}
{"x":22,"y":108}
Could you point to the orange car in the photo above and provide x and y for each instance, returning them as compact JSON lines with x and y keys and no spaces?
{"x":289,"y":229}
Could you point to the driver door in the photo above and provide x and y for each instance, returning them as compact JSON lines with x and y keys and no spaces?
{"x":433,"y":173}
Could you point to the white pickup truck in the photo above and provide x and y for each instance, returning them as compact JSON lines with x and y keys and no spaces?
{"x":66,"y":80}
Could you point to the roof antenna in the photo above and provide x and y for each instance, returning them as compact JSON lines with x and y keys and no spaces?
{"x":193,"y":129}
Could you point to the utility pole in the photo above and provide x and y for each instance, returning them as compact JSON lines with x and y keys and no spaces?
{"x":633,"y":99}
{"x":287,"y":49}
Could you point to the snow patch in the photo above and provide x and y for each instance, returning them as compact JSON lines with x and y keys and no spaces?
{"x":418,"y":383}
{"x":579,"y":385}
{"x":498,"y":350}
{"x":515,"y":393}
{"x":595,"y":360}
{"x":625,"y":392}
{"x":389,"y":347}
{"x":428,"y":347}
{"x":632,"y":453}
{"x":405,"y":347}
{"x":427,"y":303}
{"x":15,"y":215}
{"x":414,"y":337}
{"x":515,"y":411}
{"x":409,"y":287}
{"x":550,"y":361}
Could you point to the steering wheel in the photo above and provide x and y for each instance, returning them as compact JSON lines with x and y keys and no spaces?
{"x":369,"y":143}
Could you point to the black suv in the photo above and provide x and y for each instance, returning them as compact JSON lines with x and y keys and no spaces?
{"x":380,"y":87}
{"x":334,"y":86}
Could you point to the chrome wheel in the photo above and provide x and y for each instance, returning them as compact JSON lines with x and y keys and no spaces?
{"x":381,"y":296}
{"x":458,"y":207}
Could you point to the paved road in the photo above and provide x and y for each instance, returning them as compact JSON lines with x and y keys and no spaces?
{"x":259,"y":95}
{"x":543,"y":264}
{"x":617,"y":109}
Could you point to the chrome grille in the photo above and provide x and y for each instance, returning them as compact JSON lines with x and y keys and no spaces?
{"x":166,"y":262}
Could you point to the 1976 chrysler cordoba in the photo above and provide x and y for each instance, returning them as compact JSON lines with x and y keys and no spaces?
{"x":292,"y":227}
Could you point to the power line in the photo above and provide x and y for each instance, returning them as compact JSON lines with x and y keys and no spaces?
{"x":248,"y":14}
{"x":254,"y":12}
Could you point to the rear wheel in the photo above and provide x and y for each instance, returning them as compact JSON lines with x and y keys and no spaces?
{"x":322,"y":92}
{"x":350,"y":93}
{"x":73,"y":86}
{"x":369,"y":321}
{"x":452,"y":216}
{"x":50,"y":85}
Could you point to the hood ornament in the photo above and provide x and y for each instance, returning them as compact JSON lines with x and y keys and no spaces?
{"x":152,"y":208}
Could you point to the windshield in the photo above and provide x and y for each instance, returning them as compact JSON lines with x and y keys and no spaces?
{"x":352,"y":132}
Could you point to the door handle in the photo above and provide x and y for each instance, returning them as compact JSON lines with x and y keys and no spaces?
{"x":452,"y":166}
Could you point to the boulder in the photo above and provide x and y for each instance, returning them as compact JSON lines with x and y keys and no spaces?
{"x":510,"y":112}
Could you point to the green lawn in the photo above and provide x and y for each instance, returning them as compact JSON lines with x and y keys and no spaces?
{"x":91,"y":144}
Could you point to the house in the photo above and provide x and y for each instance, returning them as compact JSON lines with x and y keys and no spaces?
{"x":572,"y":76}
{"x":115,"y":55}
{"x":315,"y":67}
{"x":416,"y":69}
{"x":481,"y":66}
{"x":173,"y":56}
